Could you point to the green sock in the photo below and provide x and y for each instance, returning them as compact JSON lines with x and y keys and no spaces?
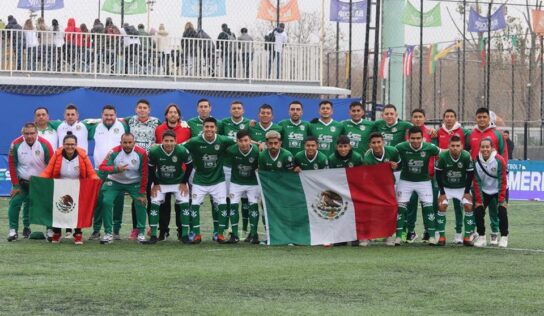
{"x":154,"y":219}
{"x":429,"y":219}
{"x":184,"y":218}
{"x":234,"y":218}
{"x":401,"y":219}
{"x":245,"y":214}
{"x":469,"y":223}
{"x":223,"y":217}
{"x":441,"y":223}
{"x":195,"y":218}
{"x":253,"y":219}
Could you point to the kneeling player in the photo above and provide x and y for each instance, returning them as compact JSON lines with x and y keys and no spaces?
{"x":344,"y":156}
{"x":310,"y":158}
{"x":167,"y":160}
{"x":454,"y":174}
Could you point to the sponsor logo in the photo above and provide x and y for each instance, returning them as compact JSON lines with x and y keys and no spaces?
{"x":329,"y":205}
{"x":65,"y":204}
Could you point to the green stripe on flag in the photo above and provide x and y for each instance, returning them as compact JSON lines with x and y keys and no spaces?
{"x":41,"y":203}
{"x":285,"y":207}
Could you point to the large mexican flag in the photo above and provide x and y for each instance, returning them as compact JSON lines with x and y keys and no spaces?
{"x":329,"y":206}
{"x":63,"y":203}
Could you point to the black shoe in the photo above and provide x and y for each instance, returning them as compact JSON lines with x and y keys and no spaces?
{"x":233,"y":239}
{"x":163,"y":235}
{"x":13,"y":238}
{"x":254,"y":240}
{"x":411,"y":237}
{"x":152,"y":240}
{"x":425,"y":238}
{"x":179,"y":234}
{"x":248,"y":238}
{"x":26,"y":232}
{"x":185,"y":239}
{"x":355,"y":243}
{"x":340,"y":244}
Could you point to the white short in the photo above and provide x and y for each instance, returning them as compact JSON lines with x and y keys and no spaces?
{"x":423,"y":189}
{"x":167,"y":188}
{"x":397,"y":177}
{"x":228,"y":173}
{"x":456,"y":194}
{"x":218,"y":192}
{"x":238,"y":191}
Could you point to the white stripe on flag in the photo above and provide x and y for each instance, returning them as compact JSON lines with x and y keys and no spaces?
{"x":65,"y":215}
{"x":324,"y":231}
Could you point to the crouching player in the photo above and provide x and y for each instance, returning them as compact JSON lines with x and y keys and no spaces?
{"x":454,"y":173}
{"x":167,"y":160}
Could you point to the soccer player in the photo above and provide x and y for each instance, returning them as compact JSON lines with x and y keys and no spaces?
{"x":275,"y":158}
{"x":28,"y":156}
{"x":73,"y":125}
{"x":207,"y":151}
{"x":393,"y":129}
{"x":45,"y":128}
{"x":379,"y":153}
{"x":357,"y":129}
{"x":265,"y":124}
{"x":244,"y":158}
{"x":490,"y":183}
{"x":415,"y":156}
{"x":203,"y":108}
{"x":310,"y":158}
{"x":454,"y":174}
{"x":485,"y":128}
{"x":294,"y":130}
{"x":173,"y":122}
{"x":344,"y":156}
{"x":126,"y":169}
{"x":326,"y":129}
{"x":166,"y":161}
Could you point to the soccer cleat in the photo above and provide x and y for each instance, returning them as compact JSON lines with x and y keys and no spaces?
{"x":178,"y":234}
{"x":432,"y":241}
{"x":116,"y":236}
{"x":68,"y":234}
{"x":26,"y":232}
{"x":364,"y":243}
{"x":12,"y":236}
{"x":95,"y":236}
{"x":328,"y":245}
{"x":141,"y":238}
{"x":426,"y":237}
{"x":49,"y":234}
{"x":133,"y":234}
{"x":411,"y":237}
{"x":494,"y":241}
{"x":442,"y":241}
{"x":480,"y":242}
{"x":398,"y":241}
{"x":467,"y":241}
{"x":78,"y":239}
{"x":233,"y":239}
{"x":503,"y":242}
{"x":390,"y":241}
{"x":254,"y":240}
{"x":152,"y":240}
{"x":185,"y":239}
{"x":248,"y":238}
{"x":197,"y":239}
{"x":192,"y":236}
{"x":163,"y":235}
{"x":220,"y":239}
{"x":459,"y":239}
{"x":106,"y":239}
{"x":56,"y":238}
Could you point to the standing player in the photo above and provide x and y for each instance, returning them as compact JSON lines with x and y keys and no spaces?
{"x":294,"y":130}
{"x":310,"y":158}
{"x":45,"y":128}
{"x":326,"y":129}
{"x":166,"y":161}
{"x":393,"y":129}
{"x":414,"y":177}
{"x":126,"y":169}
{"x":265,"y":124}
{"x":207,"y":151}
{"x":454,"y":174}
{"x":72,"y":124}
{"x":490,"y":184}
{"x":344,"y":155}
{"x":357,"y":128}
{"x":203,"y":108}
{"x":28,"y":156}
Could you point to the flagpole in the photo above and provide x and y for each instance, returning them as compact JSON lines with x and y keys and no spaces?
{"x":337,"y":52}
{"x":462,"y":114}
{"x":349,"y":45}
{"x":541,"y":84}
{"x":421,"y":54}
{"x":277,"y":12}
{"x":488,"y":83}
{"x":434,"y":89}
{"x":459,"y":83}
{"x":122,"y":12}
{"x":389,"y":78}
{"x":99,"y":5}
{"x":321,"y":50}
{"x":199,"y":21}
{"x":403,"y":88}
{"x":513,"y":93}
{"x":42,"y":8}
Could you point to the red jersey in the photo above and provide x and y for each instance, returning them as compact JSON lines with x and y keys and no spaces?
{"x":497,"y":138}
{"x":182,"y":130}
{"x":444,"y":135}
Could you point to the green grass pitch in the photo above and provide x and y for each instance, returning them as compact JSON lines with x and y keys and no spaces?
{"x":37,"y":278}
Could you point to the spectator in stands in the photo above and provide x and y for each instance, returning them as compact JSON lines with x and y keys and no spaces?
{"x":146,"y":46}
{"x":280,"y":39}
{"x":228,"y":50}
{"x":164,"y":49}
{"x":73,"y":40}
{"x":85,"y":48}
{"x":17,"y":40}
{"x":58,"y":40}
{"x":509,"y":144}
{"x":112,"y":43}
{"x":98,"y":27}
{"x":98,"y":41}
{"x":45,"y":49}
{"x":189,"y":46}
{"x":32,"y":44}
{"x":246,"y":50}
{"x":131,"y":44}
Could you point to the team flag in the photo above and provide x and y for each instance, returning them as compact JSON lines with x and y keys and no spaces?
{"x":478,"y":23}
{"x":483,"y":53}
{"x":384,"y":63}
{"x":444,"y":52}
{"x":538,"y":21}
{"x":329,"y":206}
{"x":288,"y":12}
{"x":63,"y":203}
{"x":412,"y":16}
{"x":36,"y":5}
{"x":339,"y":11}
{"x":407,"y":61}
{"x":131,"y":7}
{"x":210,"y":8}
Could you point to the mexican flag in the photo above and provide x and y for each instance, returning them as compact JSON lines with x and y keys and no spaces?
{"x":329,"y":206}
{"x":63,"y":203}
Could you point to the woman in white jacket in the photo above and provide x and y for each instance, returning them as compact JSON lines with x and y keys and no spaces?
{"x":32,"y":45}
{"x":164,"y":49}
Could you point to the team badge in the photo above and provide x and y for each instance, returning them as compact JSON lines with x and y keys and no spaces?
{"x":251,"y":159}
{"x":316,"y":166}
{"x":329,"y":205}
{"x":394,"y":130}
{"x":194,"y":196}
{"x":65,"y":204}
{"x":289,"y":158}
{"x":37,"y":152}
{"x":116,"y":130}
{"x":242,"y":126}
{"x":216,"y":147}
{"x":174,"y":159}
{"x":460,"y":164}
{"x":50,"y":131}
{"x":350,"y":164}
{"x":493,"y":169}
{"x":362,"y":127}
{"x":133,"y":161}
{"x":333,"y":129}
{"x":423,"y":154}
{"x":78,"y":127}
{"x":302,"y":127}
{"x":76,"y":168}
{"x":279,"y":164}
{"x":109,"y":183}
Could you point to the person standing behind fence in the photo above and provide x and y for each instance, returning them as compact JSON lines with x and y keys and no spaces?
{"x":17,"y":41}
{"x":280,"y":39}
{"x":73,"y":40}
{"x":31,"y":45}
{"x":189,"y":45}
{"x":228,"y":50}
{"x":98,"y":42}
{"x":131,"y":42}
{"x":146,"y":45}
{"x":163,"y":48}
{"x":84,"y":51}
{"x":246,"y":49}
{"x":58,"y":41}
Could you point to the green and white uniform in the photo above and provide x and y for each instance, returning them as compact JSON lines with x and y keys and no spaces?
{"x":229,"y":128}
{"x":282,"y":162}
{"x":353,"y":159}
{"x":50,"y":134}
{"x":257,"y":133}
{"x":358,"y":134}
{"x":319,"y":161}
{"x":390,"y":153}
{"x":293,"y":135}
{"x":394,"y":134}
{"x":326,"y":134}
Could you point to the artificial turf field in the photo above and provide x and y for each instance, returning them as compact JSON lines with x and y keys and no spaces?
{"x":38,"y":278}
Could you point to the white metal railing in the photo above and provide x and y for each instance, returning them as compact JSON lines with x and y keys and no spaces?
{"x":89,"y":54}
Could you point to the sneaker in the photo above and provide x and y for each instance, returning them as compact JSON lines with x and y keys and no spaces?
{"x":220,"y":239}
{"x":480,"y":242}
{"x":442,"y":241}
{"x":214,"y":237}
{"x":459,"y":239}
{"x":163,"y":235}
{"x":329,"y":245}
{"x":107,"y":239}
{"x":432,"y":241}
{"x":233,"y":239}
{"x":390,"y":241}
{"x":494,"y":241}
{"x":12,"y":236}
{"x":68,"y":234}
{"x":364,"y":243}
{"x":26,"y":232}
{"x":355,"y":243}
{"x":141,"y":238}
{"x":411,"y":237}
{"x":503,"y":242}
{"x":197,"y":239}
{"x":425,"y":238}
{"x":467,"y":241}
{"x":152,"y":240}
{"x":116,"y":236}
{"x":78,"y":239}
{"x":398,"y":241}
{"x":56,"y":238}
{"x":178,"y":234}
{"x":248,"y":238}
{"x":49,"y":234}
{"x":95,"y":236}
{"x":185,"y":239}
{"x":133,"y":234}
{"x":254,"y":240}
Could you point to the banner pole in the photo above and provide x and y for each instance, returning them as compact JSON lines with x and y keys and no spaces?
{"x":199,"y":22}
{"x":349,"y":45}
{"x":277,"y":13}
{"x":488,"y":83}
{"x":463,"y":91}
{"x":42,"y":4}
{"x":421,"y":54}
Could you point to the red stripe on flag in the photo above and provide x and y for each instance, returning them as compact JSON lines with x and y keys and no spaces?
{"x":88,"y":195}
{"x":375,"y":205}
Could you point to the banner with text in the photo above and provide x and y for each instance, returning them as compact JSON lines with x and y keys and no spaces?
{"x":340,"y":11}
{"x":526,"y":180}
{"x":210,"y":8}
{"x":36,"y":5}
{"x":478,"y":23}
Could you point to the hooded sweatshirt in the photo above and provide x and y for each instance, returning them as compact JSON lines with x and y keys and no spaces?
{"x":445,"y":134}
{"x":497,"y":138}
{"x":490,"y":177}
{"x":71,"y":38}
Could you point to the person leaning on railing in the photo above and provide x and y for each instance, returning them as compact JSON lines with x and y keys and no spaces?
{"x":17,"y":41}
{"x":32,"y":44}
{"x":189,"y":46}
{"x":58,"y":40}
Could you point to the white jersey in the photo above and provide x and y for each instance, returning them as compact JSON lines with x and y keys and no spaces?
{"x":105,"y":139}
{"x":78,"y":129}
{"x":69,"y":169}
{"x":30,"y":159}
{"x":130,"y":176}
{"x":50,"y":134}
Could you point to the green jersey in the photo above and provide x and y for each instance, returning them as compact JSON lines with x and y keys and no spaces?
{"x":196,"y":124}
{"x":454,"y":171}
{"x":168,"y":166}
{"x":229,"y":128}
{"x":258,"y":132}
{"x":326,"y":135}
{"x":208,"y":158}
{"x":320,"y":161}
{"x":293,"y":135}
{"x":415,"y":163}
{"x":358,"y":134}
{"x":390,"y":153}
{"x":353,"y":159}
{"x":394,"y":134}
{"x":243,"y":165}
{"x":283,"y":161}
